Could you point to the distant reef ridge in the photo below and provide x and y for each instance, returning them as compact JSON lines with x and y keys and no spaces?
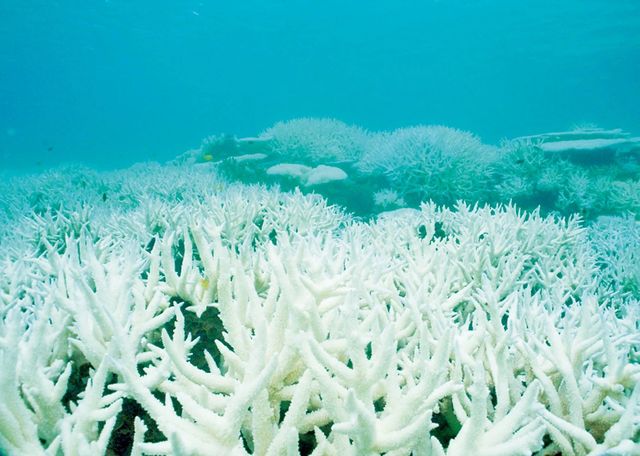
{"x":587,"y":170}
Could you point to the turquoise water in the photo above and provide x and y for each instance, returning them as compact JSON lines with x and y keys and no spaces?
{"x":109,"y":83}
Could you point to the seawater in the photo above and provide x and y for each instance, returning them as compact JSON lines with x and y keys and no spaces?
{"x":109,"y":83}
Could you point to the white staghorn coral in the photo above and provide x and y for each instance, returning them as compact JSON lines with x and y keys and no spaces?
{"x":250,"y":321}
{"x":440,"y":163}
{"x":616,"y":244}
{"x":317,"y":141}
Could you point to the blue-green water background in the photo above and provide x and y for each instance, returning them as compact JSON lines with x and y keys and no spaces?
{"x":112,"y":82}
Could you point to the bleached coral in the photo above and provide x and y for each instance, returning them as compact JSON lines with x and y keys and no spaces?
{"x":430,"y":162}
{"x":580,"y":193}
{"x":259,"y":322}
{"x":388,"y":198}
{"x":586,"y":138}
{"x":625,"y":195}
{"x":306,"y":175}
{"x":564,"y":174}
{"x":316,"y":141}
{"x":616,"y":244}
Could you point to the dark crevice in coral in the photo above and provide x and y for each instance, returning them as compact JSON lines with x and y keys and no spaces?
{"x":121,"y":441}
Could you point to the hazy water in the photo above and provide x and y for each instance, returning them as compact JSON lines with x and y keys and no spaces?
{"x":112,"y":82}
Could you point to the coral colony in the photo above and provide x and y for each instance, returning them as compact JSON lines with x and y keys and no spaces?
{"x":172,"y":310}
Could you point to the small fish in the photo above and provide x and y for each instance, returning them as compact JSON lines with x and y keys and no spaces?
{"x":207,"y":157}
{"x":204,"y":283}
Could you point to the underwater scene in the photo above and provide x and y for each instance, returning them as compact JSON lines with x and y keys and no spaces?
{"x":320,"y":228}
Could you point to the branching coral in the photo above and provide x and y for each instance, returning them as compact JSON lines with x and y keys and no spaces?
{"x":616,"y":245}
{"x":587,"y":170}
{"x":317,"y":141}
{"x":596,"y":185}
{"x":259,"y":322}
{"x":430,"y":162}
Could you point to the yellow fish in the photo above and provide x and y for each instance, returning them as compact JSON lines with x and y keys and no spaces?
{"x":207,"y":157}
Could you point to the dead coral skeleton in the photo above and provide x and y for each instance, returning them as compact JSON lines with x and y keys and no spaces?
{"x":477,"y":331}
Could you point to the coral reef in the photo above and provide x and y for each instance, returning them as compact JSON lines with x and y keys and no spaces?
{"x":316,"y":141}
{"x":587,"y":170}
{"x":431,"y":162}
{"x":185,"y":315}
{"x":616,"y":244}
